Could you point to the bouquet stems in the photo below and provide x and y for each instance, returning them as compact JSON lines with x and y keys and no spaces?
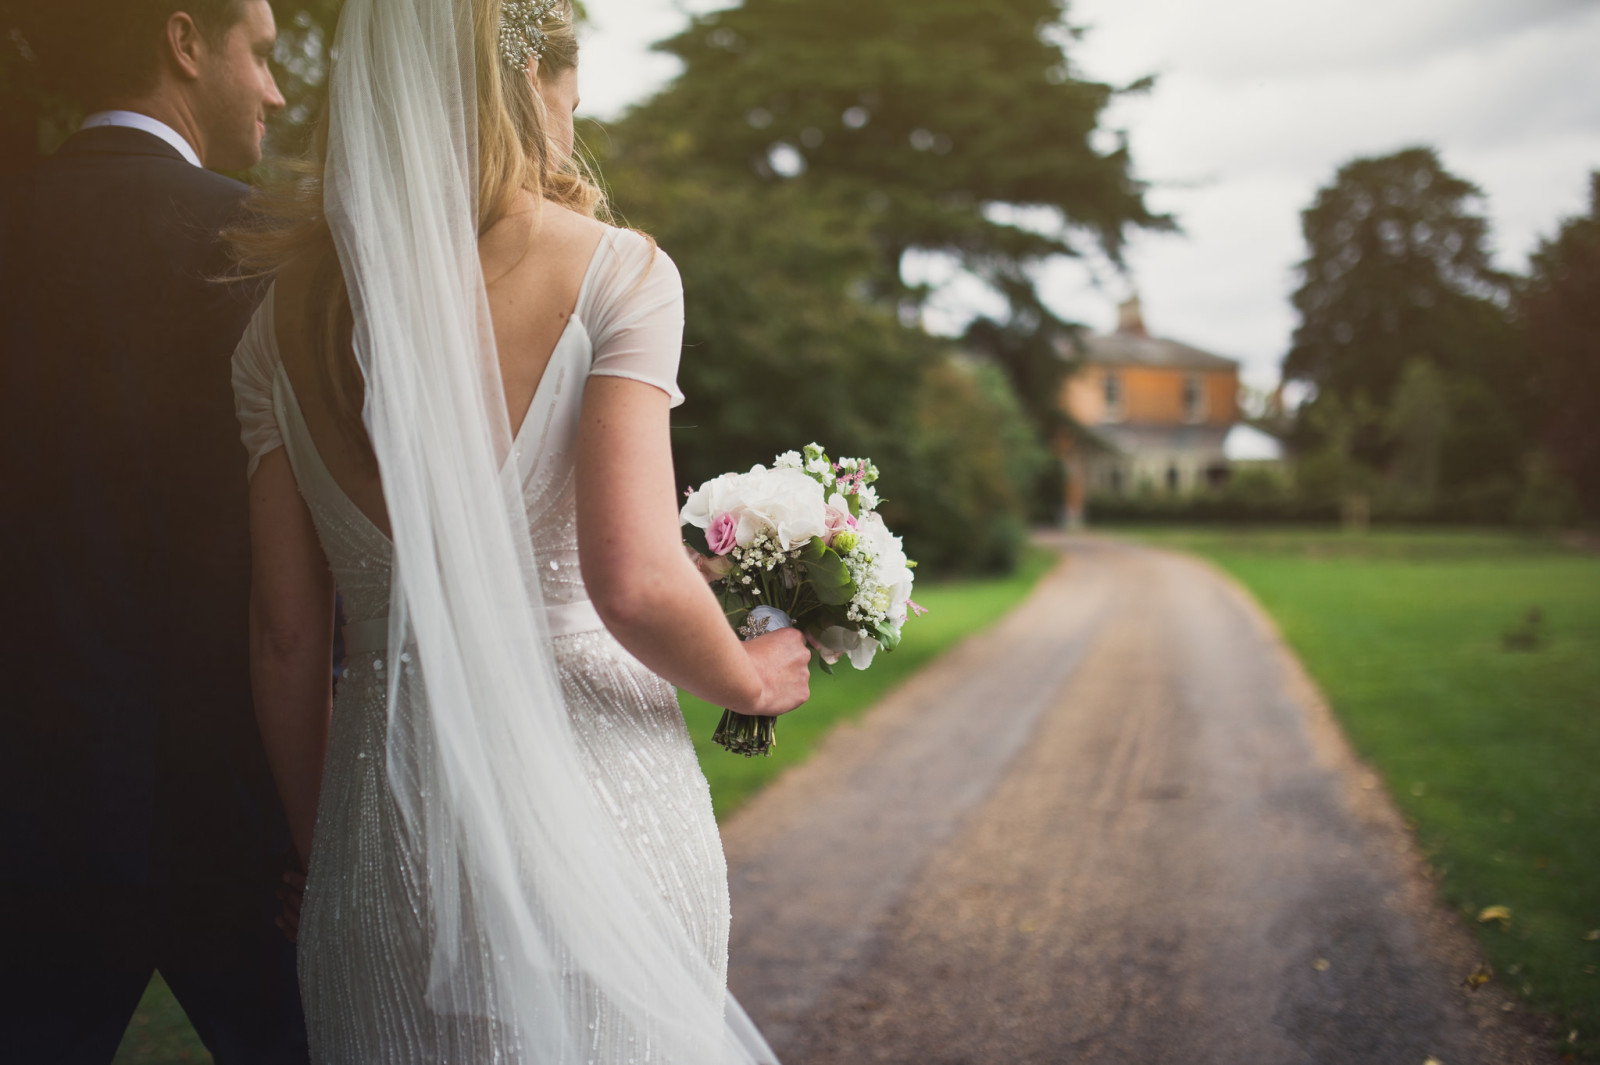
{"x":745,"y":734}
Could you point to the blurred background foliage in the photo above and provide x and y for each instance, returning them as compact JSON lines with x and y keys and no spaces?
{"x":807,"y":149}
{"x":803,"y":152}
{"x":1440,"y":389}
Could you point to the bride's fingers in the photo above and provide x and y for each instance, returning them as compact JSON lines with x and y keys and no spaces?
{"x":783,"y":660}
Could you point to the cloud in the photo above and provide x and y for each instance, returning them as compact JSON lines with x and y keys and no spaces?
{"x":1261,"y":102}
{"x":1234,"y":40}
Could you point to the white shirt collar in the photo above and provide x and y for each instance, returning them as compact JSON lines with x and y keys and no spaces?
{"x":154,"y":126}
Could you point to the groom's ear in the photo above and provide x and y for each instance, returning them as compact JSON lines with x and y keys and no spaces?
{"x":184,"y":44}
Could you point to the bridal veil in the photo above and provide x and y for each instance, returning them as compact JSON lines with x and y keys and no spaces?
{"x":524,"y":890}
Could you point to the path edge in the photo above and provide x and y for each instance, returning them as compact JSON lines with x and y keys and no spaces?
{"x":1515,"y":1034}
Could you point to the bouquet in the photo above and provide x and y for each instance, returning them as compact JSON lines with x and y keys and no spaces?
{"x":801,"y":545}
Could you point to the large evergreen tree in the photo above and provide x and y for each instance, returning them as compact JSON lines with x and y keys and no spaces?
{"x":1560,"y":308}
{"x":1397,"y":275}
{"x":927,"y":119}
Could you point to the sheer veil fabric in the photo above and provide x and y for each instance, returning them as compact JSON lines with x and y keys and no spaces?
{"x":522,"y":886}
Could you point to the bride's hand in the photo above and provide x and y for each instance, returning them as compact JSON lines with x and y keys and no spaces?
{"x":782,"y":661}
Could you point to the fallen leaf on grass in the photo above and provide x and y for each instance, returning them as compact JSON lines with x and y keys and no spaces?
{"x":1495,"y":913}
{"x":1592,"y":935}
{"x":1478,"y":977}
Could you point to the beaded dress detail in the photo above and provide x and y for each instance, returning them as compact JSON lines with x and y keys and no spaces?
{"x":362,"y":954}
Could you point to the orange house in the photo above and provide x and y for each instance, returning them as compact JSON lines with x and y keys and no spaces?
{"x":1154,"y":415}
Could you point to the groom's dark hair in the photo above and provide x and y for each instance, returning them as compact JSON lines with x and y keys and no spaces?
{"x":98,"y":51}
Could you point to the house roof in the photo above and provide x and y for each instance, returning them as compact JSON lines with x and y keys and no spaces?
{"x":1132,"y":345}
{"x":1150,"y":439}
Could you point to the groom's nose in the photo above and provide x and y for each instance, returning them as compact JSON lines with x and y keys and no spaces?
{"x":274,"y":100}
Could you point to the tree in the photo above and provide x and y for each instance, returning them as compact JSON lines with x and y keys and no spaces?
{"x":1417,"y":422}
{"x":782,"y":346}
{"x":1559,"y":306}
{"x":1398,"y":275}
{"x":935,"y":121}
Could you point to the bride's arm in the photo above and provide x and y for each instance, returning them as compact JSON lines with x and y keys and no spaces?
{"x":291,"y":641}
{"x":647,"y":591}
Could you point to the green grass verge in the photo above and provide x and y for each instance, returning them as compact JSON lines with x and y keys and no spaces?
{"x":1492,"y":754}
{"x":160,"y":1033}
{"x":956,"y":609}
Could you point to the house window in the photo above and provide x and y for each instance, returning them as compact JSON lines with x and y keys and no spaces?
{"x":1194,"y":398}
{"x":1113,"y":396}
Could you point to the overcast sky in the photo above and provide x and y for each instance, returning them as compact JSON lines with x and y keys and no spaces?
{"x":1257,"y":104}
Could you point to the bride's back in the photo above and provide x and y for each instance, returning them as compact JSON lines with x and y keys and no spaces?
{"x":534,"y":261}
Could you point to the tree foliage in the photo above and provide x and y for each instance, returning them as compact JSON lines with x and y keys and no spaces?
{"x":804,"y":150}
{"x":783,"y":346}
{"x":908,"y":125}
{"x":1398,"y":268}
{"x":920,"y":113}
{"x":1559,"y":306}
{"x":1403,"y":315}
{"x":935,"y":123}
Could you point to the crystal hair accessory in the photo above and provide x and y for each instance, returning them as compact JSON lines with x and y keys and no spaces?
{"x":522,"y":30}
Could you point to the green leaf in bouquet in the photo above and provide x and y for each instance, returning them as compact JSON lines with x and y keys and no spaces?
{"x":887,"y":635}
{"x":733,"y":605}
{"x":827,"y":573}
{"x":695,"y":537}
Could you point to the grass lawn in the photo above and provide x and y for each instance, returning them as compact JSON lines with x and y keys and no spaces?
{"x":1492,"y":753}
{"x":160,"y":1033}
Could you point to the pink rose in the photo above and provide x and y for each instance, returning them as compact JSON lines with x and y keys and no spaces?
{"x":838,"y":520}
{"x":721,"y":537}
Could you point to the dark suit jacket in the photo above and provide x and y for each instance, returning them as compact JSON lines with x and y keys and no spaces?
{"x":130,"y":764}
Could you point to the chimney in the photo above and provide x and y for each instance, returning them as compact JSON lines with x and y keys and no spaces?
{"x":1130,"y":319}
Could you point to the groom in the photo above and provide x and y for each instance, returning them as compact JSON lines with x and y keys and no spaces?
{"x":138,"y":826}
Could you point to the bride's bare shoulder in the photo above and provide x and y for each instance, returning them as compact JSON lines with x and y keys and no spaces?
{"x":537,"y":240}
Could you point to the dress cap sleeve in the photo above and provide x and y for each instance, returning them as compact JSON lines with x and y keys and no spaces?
{"x":255,"y":364}
{"x":633,"y":310}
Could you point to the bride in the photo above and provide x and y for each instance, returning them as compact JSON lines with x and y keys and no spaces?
{"x":455,"y":402}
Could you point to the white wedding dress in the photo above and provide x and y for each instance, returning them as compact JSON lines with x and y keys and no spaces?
{"x":363,"y":951}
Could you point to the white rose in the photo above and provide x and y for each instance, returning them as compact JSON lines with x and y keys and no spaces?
{"x":720,"y":495}
{"x":888,"y":563}
{"x":784,"y":503}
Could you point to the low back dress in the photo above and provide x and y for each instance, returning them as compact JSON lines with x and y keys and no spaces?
{"x":363,"y":953}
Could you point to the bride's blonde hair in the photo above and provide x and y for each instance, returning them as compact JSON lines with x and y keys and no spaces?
{"x":287,"y":222}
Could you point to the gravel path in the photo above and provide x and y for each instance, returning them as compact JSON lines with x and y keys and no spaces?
{"x":1119,"y":828}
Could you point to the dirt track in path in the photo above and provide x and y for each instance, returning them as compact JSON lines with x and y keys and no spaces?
{"x":1118,"y":828}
